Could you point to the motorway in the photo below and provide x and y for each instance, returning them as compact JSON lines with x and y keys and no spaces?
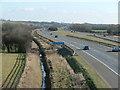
{"x":99,"y":36}
{"x":100,"y":57}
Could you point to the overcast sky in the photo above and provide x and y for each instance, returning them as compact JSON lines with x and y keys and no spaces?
{"x":69,"y":11}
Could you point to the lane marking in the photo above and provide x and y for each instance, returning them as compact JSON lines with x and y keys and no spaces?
{"x":102,"y":63}
{"x":93,"y":57}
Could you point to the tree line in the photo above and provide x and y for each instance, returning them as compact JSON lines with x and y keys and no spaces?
{"x":112,"y":29}
{"x":16,"y":37}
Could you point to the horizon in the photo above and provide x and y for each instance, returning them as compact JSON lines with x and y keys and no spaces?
{"x":58,"y":22}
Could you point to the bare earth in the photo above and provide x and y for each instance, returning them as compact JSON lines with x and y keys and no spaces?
{"x":32,"y":75}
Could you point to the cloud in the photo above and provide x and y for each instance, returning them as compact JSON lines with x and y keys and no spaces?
{"x":29,"y":9}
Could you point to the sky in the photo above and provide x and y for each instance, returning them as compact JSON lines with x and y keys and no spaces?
{"x":69,"y":11}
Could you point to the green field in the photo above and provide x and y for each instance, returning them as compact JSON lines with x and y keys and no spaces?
{"x":99,"y":31}
{"x":8,"y":61}
{"x":12,"y":68}
{"x":13,"y":22}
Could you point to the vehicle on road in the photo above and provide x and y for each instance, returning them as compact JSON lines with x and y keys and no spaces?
{"x":86,"y":47}
{"x":56,"y":36}
{"x":115,"y":49}
{"x":50,"y":33}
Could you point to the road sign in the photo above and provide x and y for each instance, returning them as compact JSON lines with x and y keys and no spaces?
{"x":61,"y":43}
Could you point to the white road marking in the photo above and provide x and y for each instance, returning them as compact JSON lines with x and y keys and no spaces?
{"x":102,"y":63}
{"x":93,"y":57}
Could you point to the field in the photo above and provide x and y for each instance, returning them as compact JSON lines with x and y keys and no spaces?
{"x":85,"y":37}
{"x":12,"y":68}
{"x":99,"y":31}
{"x":14,"y":22}
{"x":8,"y":61}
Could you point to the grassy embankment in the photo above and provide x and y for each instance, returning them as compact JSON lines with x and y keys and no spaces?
{"x":80,"y":36}
{"x":78,"y":64}
{"x":95,"y":77}
{"x":60,"y":72}
{"x":55,"y":66}
{"x":12,"y":68}
{"x":32,"y":75}
{"x":99,"y":31}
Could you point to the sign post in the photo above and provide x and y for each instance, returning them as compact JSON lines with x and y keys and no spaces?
{"x":58,"y":43}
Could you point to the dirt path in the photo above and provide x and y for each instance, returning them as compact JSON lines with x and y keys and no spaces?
{"x":32,"y":75}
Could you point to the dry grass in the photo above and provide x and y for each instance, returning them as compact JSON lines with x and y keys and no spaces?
{"x":62,"y":75}
{"x":95,"y":77}
{"x":84,"y":36}
{"x":45,"y":45}
{"x":32,"y":75}
{"x":8,"y":61}
{"x":117,"y":37}
{"x":62,"y":70}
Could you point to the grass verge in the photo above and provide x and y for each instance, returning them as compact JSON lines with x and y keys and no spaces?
{"x":86,"y":37}
{"x":95,"y":77}
{"x":99,"y":31}
{"x":79,"y":65}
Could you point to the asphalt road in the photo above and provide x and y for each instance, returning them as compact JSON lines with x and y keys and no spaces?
{"x":100,"y":57}
{"x":99,"y":36}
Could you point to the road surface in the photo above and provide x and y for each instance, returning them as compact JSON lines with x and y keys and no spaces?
{"x":99,"y":57}
{"x":110,"y":38}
